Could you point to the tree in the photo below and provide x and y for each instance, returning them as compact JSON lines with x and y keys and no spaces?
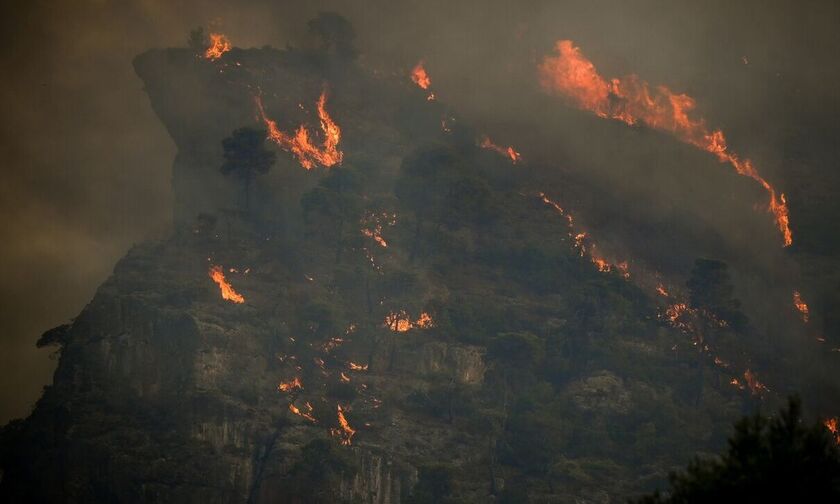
{"x":197,"y":40}
{"x":775,"y":459}
{"x":711,"y":289}
{"x":424,"y":183}
{"x":335,"y":33}
{"x":434,"y":485}
{"x":337,"y":202}
{"x":246,"y":157}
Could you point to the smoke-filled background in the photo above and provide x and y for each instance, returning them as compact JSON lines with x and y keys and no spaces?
{"x":87,"y":164}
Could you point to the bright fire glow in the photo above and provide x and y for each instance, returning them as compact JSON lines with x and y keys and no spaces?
{"x":305,"y":414}
{"x":219,"y":44}
{"x":218,"y":275}
{"x":401,"y":321}
{"x":832,"y":425}
{"x":801,"y":306}
{"x":632,"y":101}
{"x":420,"y":77}
{"x":509,"y":152}
{"x":345,"y":433}
{"x":301,"y":145}
{"x":290,"y":385}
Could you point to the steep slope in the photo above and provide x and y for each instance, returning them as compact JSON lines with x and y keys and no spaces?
{"x":416,"y":324}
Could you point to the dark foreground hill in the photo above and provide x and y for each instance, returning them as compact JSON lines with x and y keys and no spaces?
{"x":416,"y":323}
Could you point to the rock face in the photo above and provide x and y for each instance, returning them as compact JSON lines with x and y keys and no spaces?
{"x":168,"y":392}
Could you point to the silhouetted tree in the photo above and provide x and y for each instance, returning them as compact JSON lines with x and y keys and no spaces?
{"x":775,"y":459}
{"x":711,"y":288}
{"x":424,"y":184}
{"x":197,"y":41}
{"x":246,"y":157}
{"x":335,"y":33}
{"x":337,"y":202}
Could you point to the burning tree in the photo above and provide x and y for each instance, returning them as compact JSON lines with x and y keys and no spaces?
{"x":246,"y":157}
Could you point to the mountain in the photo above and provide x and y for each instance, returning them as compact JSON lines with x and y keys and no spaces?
{"x":393,"y":312}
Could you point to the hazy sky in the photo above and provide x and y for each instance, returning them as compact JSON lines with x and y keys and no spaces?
{"x":86,"y":164}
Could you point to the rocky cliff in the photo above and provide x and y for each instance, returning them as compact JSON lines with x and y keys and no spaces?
{"x":415,"y":323}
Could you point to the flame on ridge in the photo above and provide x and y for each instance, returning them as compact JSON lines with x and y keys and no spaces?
{"x":301,"y":144}
{"x":632,"y":101}
{"x":510,"y":152}
{"x":219,"y":44}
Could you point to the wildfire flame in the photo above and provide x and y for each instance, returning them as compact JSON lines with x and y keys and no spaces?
{"x":832,"y":425}
{"x":510,"y":152}
{"x":632,"y":101}
{"x":345,"y":433}
{"x":218,"y":275}
{"x":290,"y":385}
{"x":219,"y":44}
{"x":401,"y":322}
{"x":581,"y":239}
{"x":756,"y":387}
{"x":372,"y":225}
{"x":357,"y":367}
{"x":801,"y":306}
{"x":305,"y":414}
{"x":300,"y":144}
{"x":419,"y":75}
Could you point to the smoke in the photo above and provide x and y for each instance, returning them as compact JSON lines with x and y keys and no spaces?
{"x":87,"y":164}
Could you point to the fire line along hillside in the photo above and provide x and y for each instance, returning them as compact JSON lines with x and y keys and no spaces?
{"x":364,"y":300}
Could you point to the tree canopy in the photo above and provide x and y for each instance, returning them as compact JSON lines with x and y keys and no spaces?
{"x":778,"y":459}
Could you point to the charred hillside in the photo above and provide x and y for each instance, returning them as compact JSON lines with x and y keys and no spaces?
{"x":409,"y":318}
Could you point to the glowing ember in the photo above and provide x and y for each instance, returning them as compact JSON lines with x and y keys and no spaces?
{"x":357,"y":367}
{"x":343,"y":377}
{"x":401,"y":322}
{"x":219,"y":44}
{"x":510,"y":152}
{"x":420,"y":77}
{"x":632,"y":101}
{"x":345,"y":433}
{"x":290,"y":385}
{"x":801,"y":306}
{"x":832,"y":425}
{"x":660,"y":289}
{"x":372,"y":225}
{"x":218,"y":275}
{"x":300,"y":144}
{"x":305,"y":414}
{"x":756,"y":387}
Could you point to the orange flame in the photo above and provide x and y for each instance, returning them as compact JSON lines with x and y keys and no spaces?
{"x":219,"y":44}
{"x":357,"y":367}
{"x":345,"y":433}
{"x":756,"y":387}
{"x":300,"y":145}
{"x":632,"y":101}
{"x":510,"y":152}
{"x":372,"y":226}
{"x":401,"y":322}
{"x":290,"y":385}
{"x":420,"y":77}
{"x":218,"y":276}
{"x":832,"y":425}
{"x":307,"y":415}
{"x":801,"y":306}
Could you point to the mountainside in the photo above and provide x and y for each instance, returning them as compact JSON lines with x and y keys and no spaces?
{"x":418,"y":321}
